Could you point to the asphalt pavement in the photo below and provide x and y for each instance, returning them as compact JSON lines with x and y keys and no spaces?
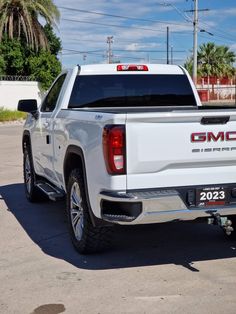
{"x":165,"y":268}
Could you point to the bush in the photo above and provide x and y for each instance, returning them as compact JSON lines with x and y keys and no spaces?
{"x":11,"y":115}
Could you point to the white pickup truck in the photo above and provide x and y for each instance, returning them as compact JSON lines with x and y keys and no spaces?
{"x":130,"y":144}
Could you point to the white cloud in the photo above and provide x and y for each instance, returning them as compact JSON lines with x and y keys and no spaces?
{"x":91,"y":37}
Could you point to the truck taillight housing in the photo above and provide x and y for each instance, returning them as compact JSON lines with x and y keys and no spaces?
{"x":114,"y":149}
{"x":132,"y":67}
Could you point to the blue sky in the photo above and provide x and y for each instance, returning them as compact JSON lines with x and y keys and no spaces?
{"x":139,"y":34}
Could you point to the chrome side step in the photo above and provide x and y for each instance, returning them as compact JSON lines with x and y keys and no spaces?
{"x":52,"y":192}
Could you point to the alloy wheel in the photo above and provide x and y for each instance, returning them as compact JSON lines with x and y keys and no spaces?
{"x":76,"y":211}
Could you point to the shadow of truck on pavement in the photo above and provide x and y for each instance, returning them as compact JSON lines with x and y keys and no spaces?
{"x":133,"y":246}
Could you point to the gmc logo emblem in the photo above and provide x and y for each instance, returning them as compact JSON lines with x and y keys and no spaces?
{"x":211,"y":137}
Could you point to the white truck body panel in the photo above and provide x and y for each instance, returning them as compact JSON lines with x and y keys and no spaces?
{"x":104,"y":69}
{"x":87,"y":136}
{"x":159,"y":151}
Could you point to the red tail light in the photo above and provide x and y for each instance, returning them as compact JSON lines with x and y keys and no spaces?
{"x":114,"y":149}
{"x":132,"y":67}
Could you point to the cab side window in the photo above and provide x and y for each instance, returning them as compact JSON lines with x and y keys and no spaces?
{"x":50,"y":101}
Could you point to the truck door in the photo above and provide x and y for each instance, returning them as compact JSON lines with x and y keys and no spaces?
{"x":42,"y":140}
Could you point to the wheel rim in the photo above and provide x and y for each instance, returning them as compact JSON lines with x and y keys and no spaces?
{"x":28,"y":175}
{"x":76,"y":211}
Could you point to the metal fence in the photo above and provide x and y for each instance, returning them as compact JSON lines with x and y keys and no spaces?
{"x":16,"y":78}
{"x":222,"y":90}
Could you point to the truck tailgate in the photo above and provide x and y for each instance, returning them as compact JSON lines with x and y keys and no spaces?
{"x":165,"y":149}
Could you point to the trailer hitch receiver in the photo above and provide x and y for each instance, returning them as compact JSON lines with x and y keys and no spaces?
{"x":223,"y":222}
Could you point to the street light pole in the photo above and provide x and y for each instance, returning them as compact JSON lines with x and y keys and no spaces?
{"x":195,"y":29}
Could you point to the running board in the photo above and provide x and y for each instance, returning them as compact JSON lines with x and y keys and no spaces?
{"x":52,"y":193}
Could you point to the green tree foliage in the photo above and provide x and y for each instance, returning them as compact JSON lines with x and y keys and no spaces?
{"x":54,"y":42}
{"x":18,"y":59}
{"x":2,"y":66}
{"x":13,"y":57}
{"x":189,"y":65}
{"x":20,"y":19}
{"x":44,"y":67}
{"x":26,"y":47}
{"x":213,"y":60}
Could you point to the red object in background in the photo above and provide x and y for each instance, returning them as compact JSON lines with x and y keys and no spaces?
{"x":213,"y":80}
{"x":203,"y":94}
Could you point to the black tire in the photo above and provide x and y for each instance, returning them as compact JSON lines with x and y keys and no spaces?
{"x":31,"y":191}
{"x":86,"y":238}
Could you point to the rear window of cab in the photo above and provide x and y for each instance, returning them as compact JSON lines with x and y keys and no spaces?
{"x":131,"y":91}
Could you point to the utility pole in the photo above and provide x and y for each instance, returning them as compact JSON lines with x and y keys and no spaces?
{"x":195,"y":41}
{"x":195,"y":29}
{"x":109,"y":53}
{"x":167,"y":45}
{"x":171,"y":54}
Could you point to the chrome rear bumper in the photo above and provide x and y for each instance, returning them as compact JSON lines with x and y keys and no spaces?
{"x":157,"y":206}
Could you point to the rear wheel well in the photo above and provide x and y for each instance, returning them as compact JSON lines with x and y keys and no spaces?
{"x":72,"y":161}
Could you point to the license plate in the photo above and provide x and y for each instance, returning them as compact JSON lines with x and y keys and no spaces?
{"x":212,"y":196}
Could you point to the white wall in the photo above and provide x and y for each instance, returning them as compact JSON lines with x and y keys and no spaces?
{"x":12,"y":91}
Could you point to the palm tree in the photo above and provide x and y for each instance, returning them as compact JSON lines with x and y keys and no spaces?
{"x":227,"y":59}
{"x":189,"y":65}
{"x":213,"y":60}
{"x":19,"y":19}
{"x":216,"y":60}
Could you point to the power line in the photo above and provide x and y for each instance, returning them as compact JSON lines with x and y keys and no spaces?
{"x":128,"y":57}
{"x":215,"y":39}
{"x":217,"y":32}
{"x":222,"y":33}
{"x":82,"y":52}
{"x":130,"y":50}
{"x":113,"y":25}
{"x":124,"y":50}
{"x":102,"y":55}
{"x":213,"y":28}
{"x":121,"y":16}
{"x":117,"y":40}
{"x":185,"y":16}
{"x":121,"y":26}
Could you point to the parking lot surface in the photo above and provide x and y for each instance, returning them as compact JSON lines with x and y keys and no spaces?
{"x":165,"y":268}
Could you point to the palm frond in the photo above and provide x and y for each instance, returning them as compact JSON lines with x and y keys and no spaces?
{"x":18,"y":17}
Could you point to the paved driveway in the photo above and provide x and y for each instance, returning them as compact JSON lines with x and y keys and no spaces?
{"x":167,"y":268}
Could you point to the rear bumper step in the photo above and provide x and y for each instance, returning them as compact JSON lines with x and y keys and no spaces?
{"x":141,"y":207}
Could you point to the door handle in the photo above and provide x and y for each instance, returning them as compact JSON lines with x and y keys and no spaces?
{"x":48,"y":139}
{"x":215,"y":120}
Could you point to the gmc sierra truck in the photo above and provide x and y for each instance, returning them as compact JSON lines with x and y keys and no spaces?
{"x":130,"y":144}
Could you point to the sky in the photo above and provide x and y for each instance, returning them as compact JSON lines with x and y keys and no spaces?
{"x":139,"y":29}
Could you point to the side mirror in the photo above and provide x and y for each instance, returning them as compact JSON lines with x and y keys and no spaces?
{"x":27,"y":105}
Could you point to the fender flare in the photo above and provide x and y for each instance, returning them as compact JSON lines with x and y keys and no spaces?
{"x":75,"y":150}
